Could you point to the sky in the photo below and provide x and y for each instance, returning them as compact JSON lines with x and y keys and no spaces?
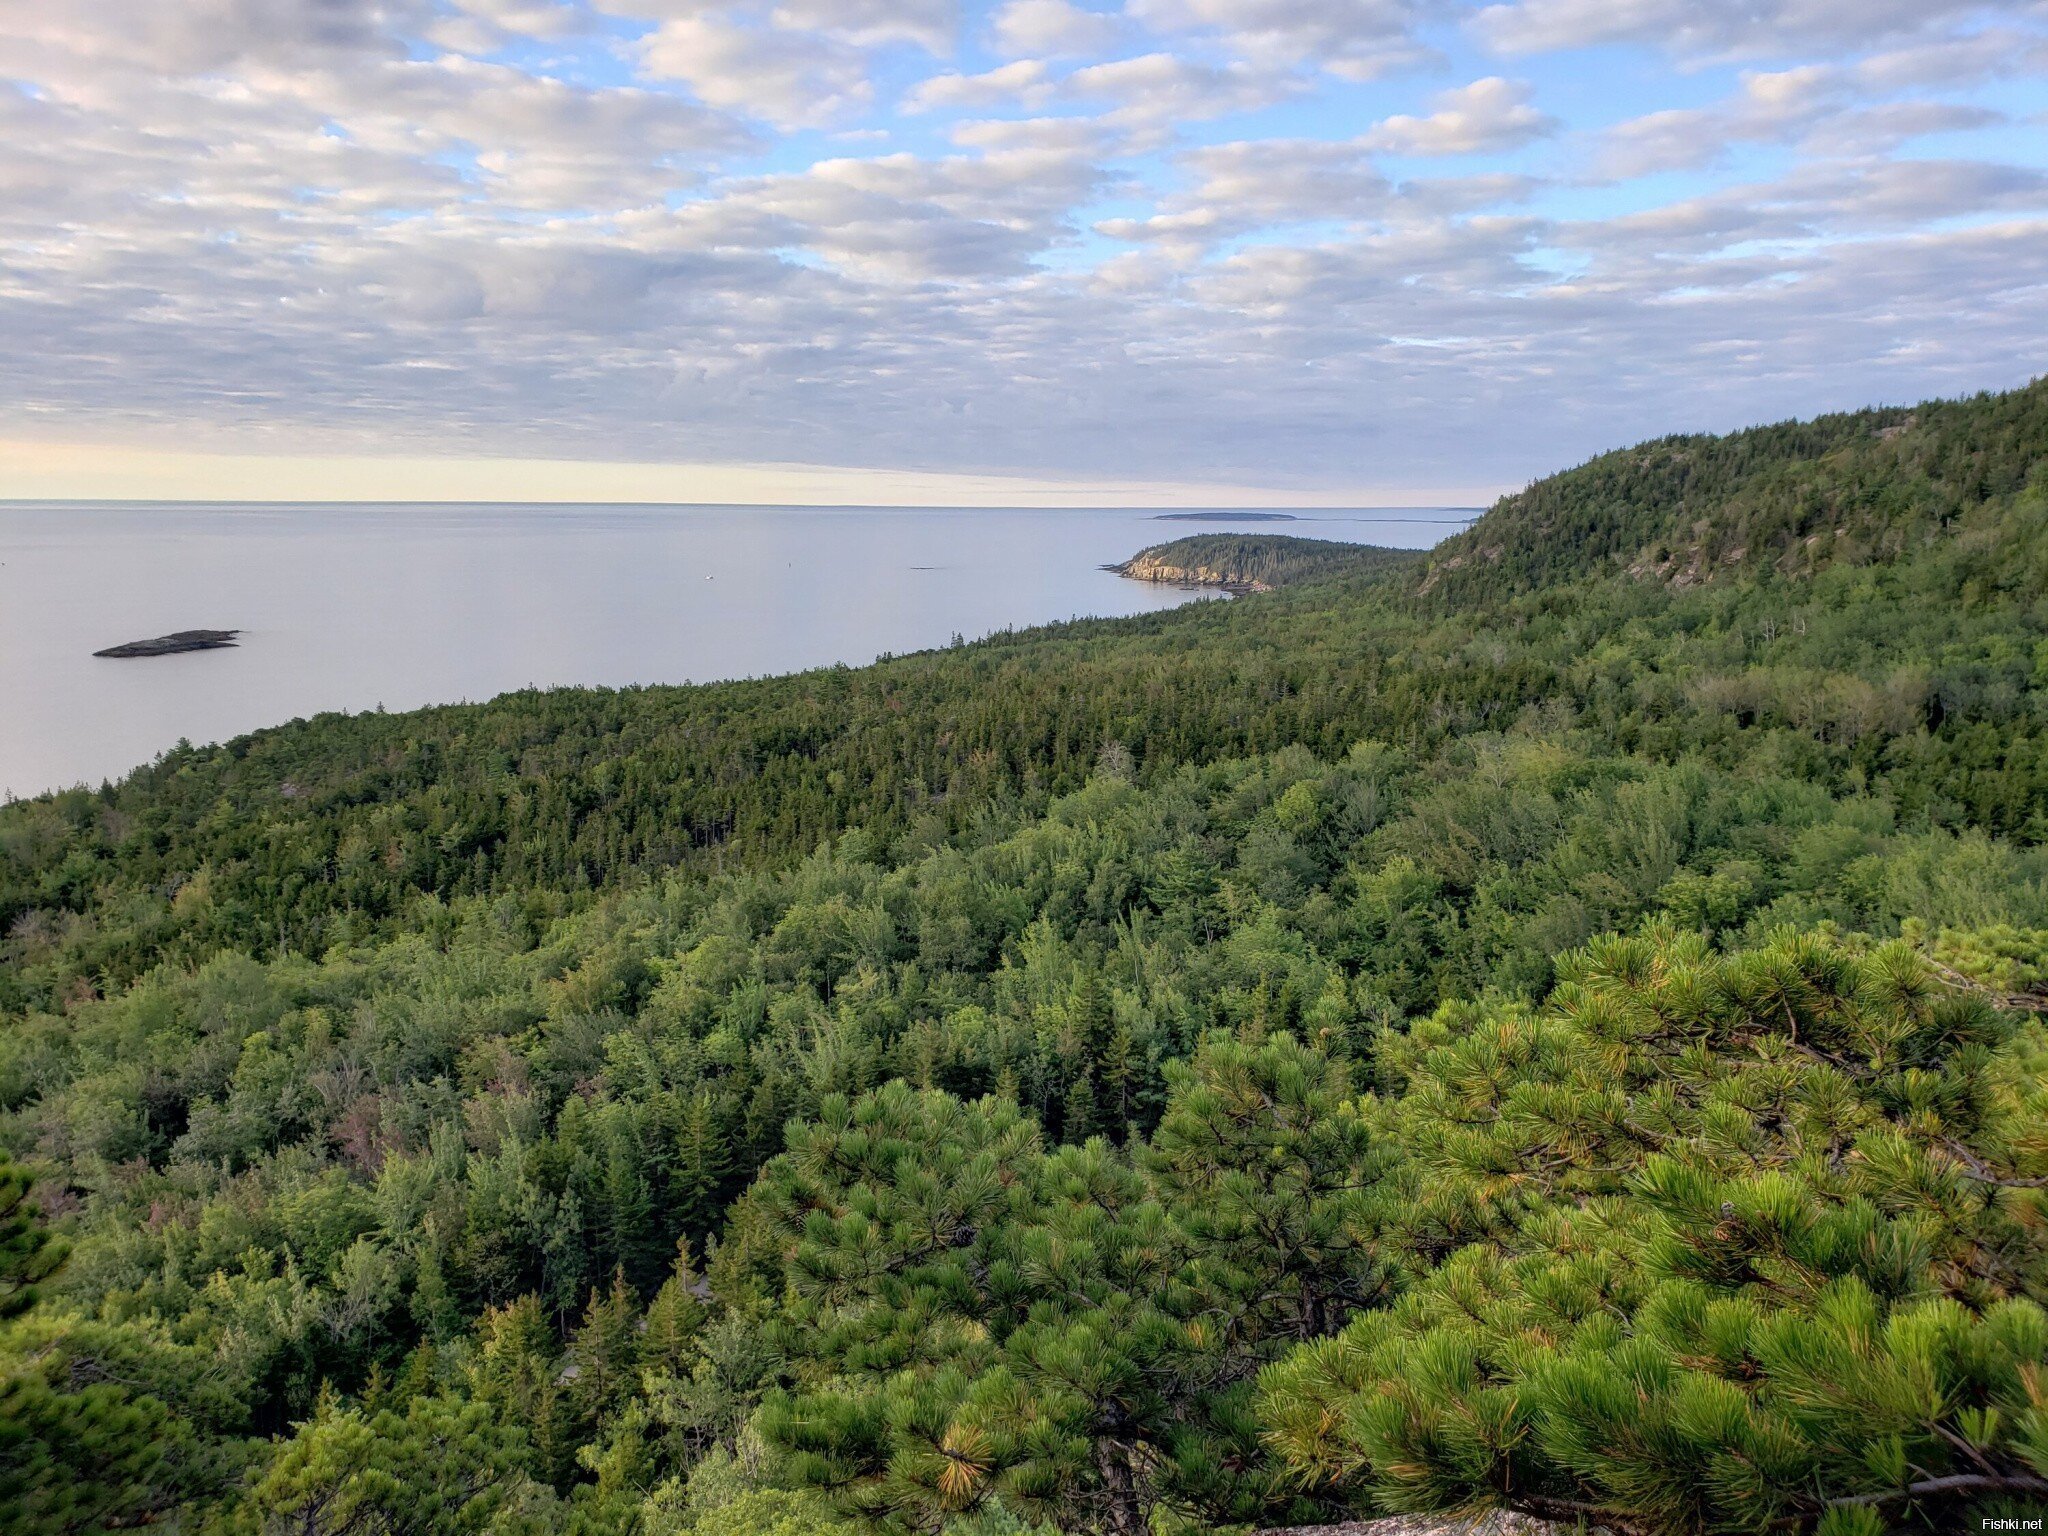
{"x":1217,"y":252}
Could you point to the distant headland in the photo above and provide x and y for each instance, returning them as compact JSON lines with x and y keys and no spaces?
{"x":1224,"y":517}
{"x":1243,"y":563}
{"x":171,"y":645}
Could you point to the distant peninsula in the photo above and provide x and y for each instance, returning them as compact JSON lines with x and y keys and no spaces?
{"x":1255,"y":562}
{"x":171,"y":645}
{"x":1224,"y":517}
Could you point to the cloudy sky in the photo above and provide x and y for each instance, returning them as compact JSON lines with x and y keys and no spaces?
{"x":1376,"y":250}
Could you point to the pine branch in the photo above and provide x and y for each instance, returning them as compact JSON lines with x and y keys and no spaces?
{"x":1972,"y":1167}
{"x":2022,"y":1002}
{"x":1958,"y":1482}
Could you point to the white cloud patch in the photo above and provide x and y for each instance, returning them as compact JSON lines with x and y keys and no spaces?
{"x":1158,"y":89}
{"x":1490,"y":114}
{"x":1722,"y":28}
{"x":1079,"y":136}
{"x":930,"y":24}
{"x":1050,"y":29}
{"x":1025,"y":83}
{"x":790,"y":79}
{"x":1841,"y":109}
{"x":1352,"y":39}
{"x":1192,"y":237}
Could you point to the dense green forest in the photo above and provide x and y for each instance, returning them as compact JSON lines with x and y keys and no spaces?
{"x":1555,"y":1026}
{"x":1261,"y":562}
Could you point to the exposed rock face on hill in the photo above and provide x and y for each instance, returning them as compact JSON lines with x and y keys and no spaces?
{"x":1148,"y":565}
{"x":1255,"y":562}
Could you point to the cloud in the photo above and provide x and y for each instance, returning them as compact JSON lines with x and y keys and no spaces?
{"x":446,"y":225}
{"x":1830,"y":109}
{"x":1158,"y":89}
{"x":1026,"y":83}
{"x":1352,"y":39}
{"x":482,"y":27}
{"x":1153,"y":91}
{"x":1490,"y":114}
{"x":1719,"y":28}
{"x":341,"y":124}
{"x":1050,"y":29}
{"x":1079,"y":136}
{"x":790,"y":79}
{"x":802,"y":64}
{"x":1269,"y":184}
{"x":898,"y":218}
{"x":930,"y":24}
{"x":214,"y":38}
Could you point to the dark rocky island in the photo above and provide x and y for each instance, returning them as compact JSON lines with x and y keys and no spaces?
{"x":171,"y":645}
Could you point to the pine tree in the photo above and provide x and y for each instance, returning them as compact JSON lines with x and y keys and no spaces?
{"x":674,"y":1318}
{"x":604,"y":1351}
{"x":29,"y":1252}
{"x":77,"y":1452}
{"x":1746,"y":1245}
{"x":443,"y":1467}
{"x":700,"y":1167}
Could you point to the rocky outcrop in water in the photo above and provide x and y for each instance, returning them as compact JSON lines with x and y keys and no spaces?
{"x":171,"y":645}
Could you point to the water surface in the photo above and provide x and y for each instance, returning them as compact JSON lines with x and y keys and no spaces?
{"x":356,"y":607}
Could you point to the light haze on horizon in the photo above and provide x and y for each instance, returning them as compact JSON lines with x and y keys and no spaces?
{"x":984,"y":252}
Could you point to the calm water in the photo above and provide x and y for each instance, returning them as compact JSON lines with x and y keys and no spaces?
{"x":350,"y":608}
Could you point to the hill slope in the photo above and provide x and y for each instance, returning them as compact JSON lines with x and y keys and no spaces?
{"x":1576,"y":1048}
{"x":574,"y":791}
{"x":1861,"y":487}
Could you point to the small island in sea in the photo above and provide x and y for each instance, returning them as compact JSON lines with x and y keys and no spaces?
{"x":172,"y":644}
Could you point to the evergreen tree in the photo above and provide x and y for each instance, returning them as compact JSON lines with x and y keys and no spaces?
{"x":29,"y":1252}
{"x":441,"y":1468}
{"x":1754,"y":1244}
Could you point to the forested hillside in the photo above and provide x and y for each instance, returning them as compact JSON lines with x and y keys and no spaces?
{"x":1792,"y":498}
{"x":1533,"y":1032}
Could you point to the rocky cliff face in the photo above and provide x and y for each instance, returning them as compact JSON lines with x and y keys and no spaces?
{"x":1148,"y":566}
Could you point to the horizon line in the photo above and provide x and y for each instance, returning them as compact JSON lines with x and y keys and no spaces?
{"x":1304,"y":512}
{"x":32,"y":470}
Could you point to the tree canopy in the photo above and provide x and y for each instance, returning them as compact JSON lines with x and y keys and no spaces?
{"x":1556,"y":1029}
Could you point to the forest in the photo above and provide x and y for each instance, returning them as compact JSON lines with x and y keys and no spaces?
{"x":1553,"y":1026}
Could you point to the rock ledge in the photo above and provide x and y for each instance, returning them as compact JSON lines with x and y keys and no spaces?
{"x":171,"y":645}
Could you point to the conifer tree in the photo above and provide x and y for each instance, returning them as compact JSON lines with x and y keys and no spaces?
{"x":1751,"y":1242}
{"x":442,"y":1468}
{"x":29,"y":1252}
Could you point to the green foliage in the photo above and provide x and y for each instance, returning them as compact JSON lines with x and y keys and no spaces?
{"x":29,"y":1253}
{"x":107,"y":1424}
{"x":441,"y":1466}
{"x":1068,"y":1332}
{"x":719,"y":1499}
{"x":1740,"y":1240}
{"x":1790,"y":498}
{"x":937,"y":1095}
{"x":1912,"y":679}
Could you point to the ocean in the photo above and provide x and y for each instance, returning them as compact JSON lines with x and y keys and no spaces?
{"x":353,"y":607}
